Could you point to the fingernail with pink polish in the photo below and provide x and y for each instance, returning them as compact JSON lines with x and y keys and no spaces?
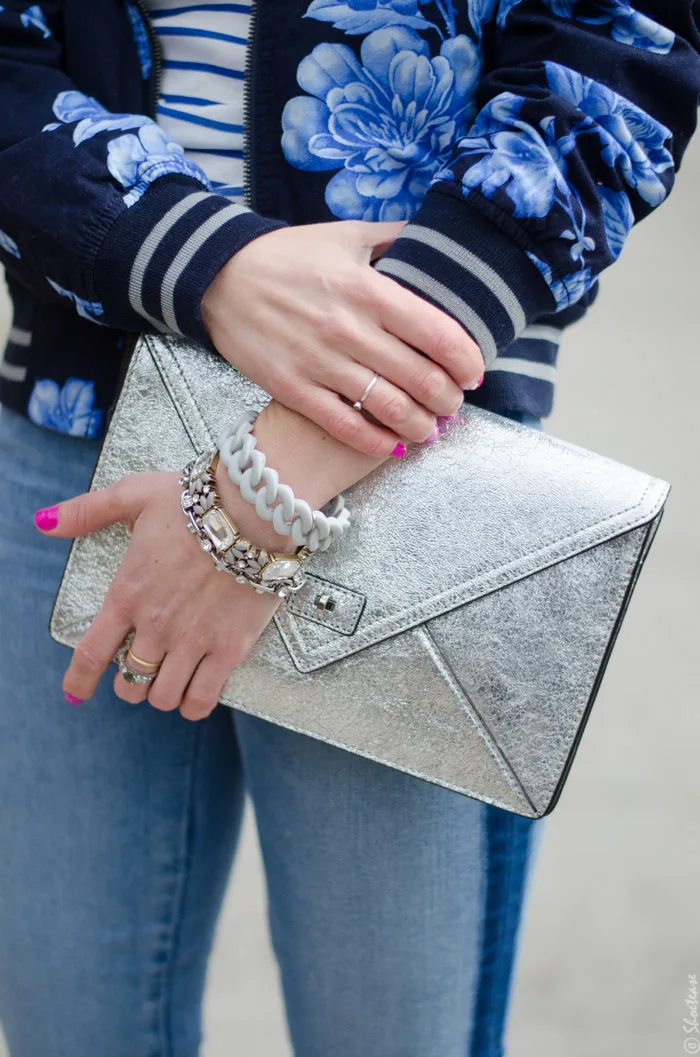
{"x":46,"y":519}
{"x":72,"y":699}
{"x":399,"y":451}
{"x":434,"y":435}
{"x":477,"y":384}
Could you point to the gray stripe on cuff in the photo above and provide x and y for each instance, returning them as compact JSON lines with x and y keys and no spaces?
{"x":185,"y":255}
{"x":11,"y":372}
{"x":540,"y":332}
{"x":544,"y":372}
{"x":445,"y":297}
{"x":148,"y":248}
{"x":17,"y":336}
{"x":459,"y":254}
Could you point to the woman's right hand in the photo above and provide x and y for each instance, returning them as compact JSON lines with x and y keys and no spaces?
{"x":302,"y":313}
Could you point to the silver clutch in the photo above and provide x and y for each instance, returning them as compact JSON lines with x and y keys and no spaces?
{"x":459,"y":632}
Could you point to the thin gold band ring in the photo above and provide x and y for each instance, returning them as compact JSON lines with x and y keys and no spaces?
{"x":144,"y":664}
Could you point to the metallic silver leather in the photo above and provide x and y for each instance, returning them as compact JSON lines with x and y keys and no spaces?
{"x":475,"y":600}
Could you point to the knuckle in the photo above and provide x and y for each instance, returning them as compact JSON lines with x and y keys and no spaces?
{"x":88,"y":658}
{"x":396,"y":407}
{"x":345,"y":428}
{"x":199,"y":703}
{"x":430,"y":386}
{"x":445,"y":345}
{"x":420,"y":429}
{"x":159,"y":698}
{"x":158,"y":620}
{"x":374,"y":445}
{"x":81,"y":514}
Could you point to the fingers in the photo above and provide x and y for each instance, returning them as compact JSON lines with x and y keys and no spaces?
{"x":143,"y":648}
{"x":343,"y":422}
{"x":205,"y":686}
{"x":167,"y":690}
{"x":377,"y":236}
{"x":93,"y":654}
{"x":429,"y":385}
{"x":91,"y":511}
{"x":425,"y":327}
{"x":388,"y":404}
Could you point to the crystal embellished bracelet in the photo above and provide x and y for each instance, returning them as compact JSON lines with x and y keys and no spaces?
{"x":268,"y":572}
{"x":260,"y":486}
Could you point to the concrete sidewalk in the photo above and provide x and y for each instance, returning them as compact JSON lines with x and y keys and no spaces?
{"x":612,"y":930}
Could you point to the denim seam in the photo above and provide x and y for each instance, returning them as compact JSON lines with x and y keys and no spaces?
{"x":174,"y":919}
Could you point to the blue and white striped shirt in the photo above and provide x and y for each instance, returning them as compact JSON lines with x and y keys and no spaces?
{"x":201,"y":102}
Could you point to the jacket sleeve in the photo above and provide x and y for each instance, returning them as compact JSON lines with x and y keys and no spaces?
{"x":584,"y":111}
{"x":99,"y":207}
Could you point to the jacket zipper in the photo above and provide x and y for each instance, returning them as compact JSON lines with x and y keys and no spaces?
{"x":248,"y":68}
{"x":131,"y":337}
{"x":156,"y":58}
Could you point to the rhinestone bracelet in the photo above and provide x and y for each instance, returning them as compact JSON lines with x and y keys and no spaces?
{"x":268,"y":572}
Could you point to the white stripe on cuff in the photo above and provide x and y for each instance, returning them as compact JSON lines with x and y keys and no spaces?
{"x":445,"y":297}
{"x":544,"y":372}
{"x":469,"y":261}
{"x":540,"y":332}
{"x":149,"y":247}
{"x":185,"y":255}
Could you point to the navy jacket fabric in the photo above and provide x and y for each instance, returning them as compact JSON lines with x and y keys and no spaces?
{"x":521,"y":139}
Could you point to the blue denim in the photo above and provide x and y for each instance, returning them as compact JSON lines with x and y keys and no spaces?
{"x":394,"y":905}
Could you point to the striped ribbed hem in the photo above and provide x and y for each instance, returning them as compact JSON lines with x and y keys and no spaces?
{"x":159,"y":258}
{"x":523,"y":376}
{"x":452,"y":255}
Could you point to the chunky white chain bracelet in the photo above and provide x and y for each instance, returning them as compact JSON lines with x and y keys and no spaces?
{"x":260,"y":486}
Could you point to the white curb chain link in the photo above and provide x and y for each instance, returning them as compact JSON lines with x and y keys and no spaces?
{"x":260,"y":486}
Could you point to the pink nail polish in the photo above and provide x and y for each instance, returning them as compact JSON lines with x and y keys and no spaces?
{"x":477,"y":384}
{"x":72,"y":699}
{"x":46,"y":519}
{"x":399,"y":451}
{"x":434,"y":435}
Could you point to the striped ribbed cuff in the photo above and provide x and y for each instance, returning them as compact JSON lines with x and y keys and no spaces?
{"x":456,"y":258}
{"x":160,"y":256}
{"x":523,"y":376}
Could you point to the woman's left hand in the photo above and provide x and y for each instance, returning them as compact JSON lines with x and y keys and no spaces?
{"x":199,"y":622}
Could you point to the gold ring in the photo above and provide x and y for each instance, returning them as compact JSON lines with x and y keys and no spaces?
{"x":144,"y":664}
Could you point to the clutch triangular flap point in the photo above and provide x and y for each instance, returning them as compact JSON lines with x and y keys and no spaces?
{"x":531,"y":698}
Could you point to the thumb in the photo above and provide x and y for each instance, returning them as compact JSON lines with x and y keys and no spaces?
{"x":89,"y":512}
{"x":377,"y":237}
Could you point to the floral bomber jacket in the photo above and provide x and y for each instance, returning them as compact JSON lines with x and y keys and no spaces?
{"x":521,"y":139}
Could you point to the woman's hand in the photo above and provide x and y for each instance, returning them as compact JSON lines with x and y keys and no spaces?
{"x":199,"y":622}
{"x":301,"y":312}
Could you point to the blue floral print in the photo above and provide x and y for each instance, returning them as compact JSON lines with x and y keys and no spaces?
{"x":143,"y":44}
{"x":135,"y":161}
{"x":34,"y":16}
{"x":68,"y":409}
{"x":87,"y":309}
{"x":9,"y":245}
{"x":633,"y":142}
{"x":567,"y":290}
{"x":91,"y":116}
{"x":388,"y":122}
{"x":363,"y":16}
{"x":627,"y":25}
{"x":528,"y":163}
{"x":618,"y":218}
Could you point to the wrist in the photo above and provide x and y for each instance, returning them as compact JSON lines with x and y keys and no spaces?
{"x":247,"y":520}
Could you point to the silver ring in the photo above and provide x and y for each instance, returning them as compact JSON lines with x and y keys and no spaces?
{"x":358,"y":403}
{"x":128,"y":674}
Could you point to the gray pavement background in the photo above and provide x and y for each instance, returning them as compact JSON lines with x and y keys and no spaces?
{"x":612,"y":930}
